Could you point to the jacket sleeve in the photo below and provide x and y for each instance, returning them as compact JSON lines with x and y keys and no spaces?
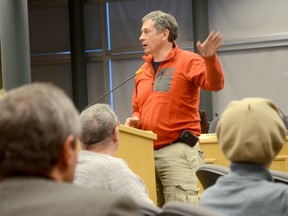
{"x":214,"y":74}
{"x":207,"y":73}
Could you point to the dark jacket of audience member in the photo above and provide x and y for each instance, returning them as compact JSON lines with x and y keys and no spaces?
{"x":38,"y":130}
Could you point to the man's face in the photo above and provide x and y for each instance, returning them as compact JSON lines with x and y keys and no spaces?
{"x":151,"y":39}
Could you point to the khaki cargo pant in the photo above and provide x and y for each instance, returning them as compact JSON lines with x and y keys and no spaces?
{"x":176,"y":180}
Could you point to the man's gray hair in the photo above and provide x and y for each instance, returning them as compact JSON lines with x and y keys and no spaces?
{"x":35,"y":120}
{"x":97,"y":123}
{"x":164,"y":21}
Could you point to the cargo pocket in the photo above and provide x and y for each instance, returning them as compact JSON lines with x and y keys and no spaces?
{"x":201,"y":157}
{"x":180,"y":193}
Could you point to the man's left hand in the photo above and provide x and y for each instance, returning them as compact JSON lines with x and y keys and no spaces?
{"x":210,"y":46}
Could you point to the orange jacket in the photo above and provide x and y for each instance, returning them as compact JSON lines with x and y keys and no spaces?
{"x":168,"y":102}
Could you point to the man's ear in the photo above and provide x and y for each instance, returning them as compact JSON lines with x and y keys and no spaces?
{"x":165,"y":34}
{"x":69,"y":152}
{"x":115,"y":135}
{"x":65,"y":168}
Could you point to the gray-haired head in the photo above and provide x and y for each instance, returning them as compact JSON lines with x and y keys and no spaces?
{"x":35,"y":120}
{"x":98,"y":123}
{"x":163,"y":21}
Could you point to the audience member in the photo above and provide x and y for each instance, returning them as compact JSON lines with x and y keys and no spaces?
{"x":97,"y":167}
{"x":203,"y":121}
{"x":285,"y":121}
{"x":213,"y":124}
{"x":251,"y":134}
{"x":39,"y":126}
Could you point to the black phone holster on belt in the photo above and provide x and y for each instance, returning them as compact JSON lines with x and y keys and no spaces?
{"x":188,"y":138}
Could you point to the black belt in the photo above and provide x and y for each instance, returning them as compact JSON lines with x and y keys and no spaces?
{"x":178,"y":140}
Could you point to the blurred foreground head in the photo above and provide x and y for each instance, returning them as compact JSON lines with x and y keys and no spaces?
{"x":39,"y":126}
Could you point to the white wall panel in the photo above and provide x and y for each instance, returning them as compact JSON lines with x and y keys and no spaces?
{"x":261,"y":73}
{"x":248,"y":18}
{"x":255,"y":62}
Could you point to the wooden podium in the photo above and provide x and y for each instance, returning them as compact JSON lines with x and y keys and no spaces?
{"x":136,"y":148}
{"x":213,"y":154}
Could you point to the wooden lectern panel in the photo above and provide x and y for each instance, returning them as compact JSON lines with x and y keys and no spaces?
{"x":136,"y":148}
{"x":213,"y":154}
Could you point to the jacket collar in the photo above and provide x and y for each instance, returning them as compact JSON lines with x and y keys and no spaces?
{"x":251,"y":171}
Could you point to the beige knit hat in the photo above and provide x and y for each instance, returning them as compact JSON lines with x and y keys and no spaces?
{"x":251,"y":130}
